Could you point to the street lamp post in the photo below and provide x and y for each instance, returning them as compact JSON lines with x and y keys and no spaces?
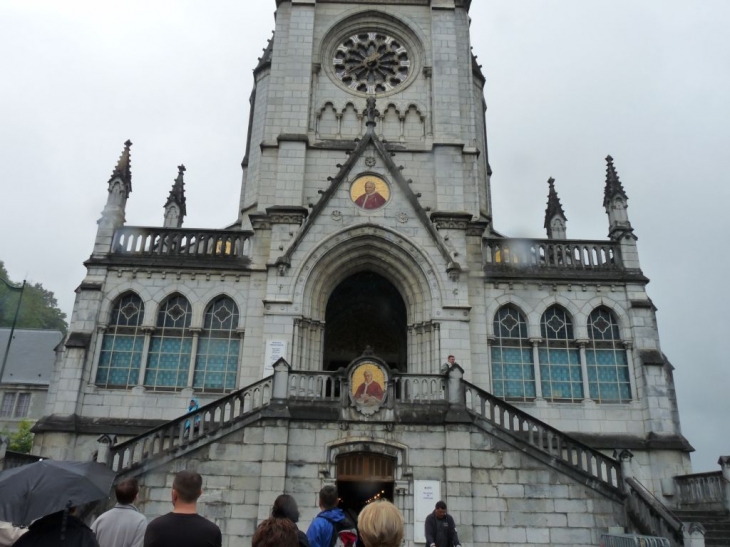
{"x":12,"y":329}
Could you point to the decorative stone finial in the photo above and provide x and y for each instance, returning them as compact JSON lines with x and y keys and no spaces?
{"x":123,"y":169}
{"x":554,"y":211}
{"x":613,"y":184}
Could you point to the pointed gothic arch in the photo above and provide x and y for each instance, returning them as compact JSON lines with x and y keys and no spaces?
{"x":373,"y":249}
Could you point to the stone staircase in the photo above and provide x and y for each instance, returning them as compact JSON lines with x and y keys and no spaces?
{"x":294,"y":394}
{"x":716,"y":524}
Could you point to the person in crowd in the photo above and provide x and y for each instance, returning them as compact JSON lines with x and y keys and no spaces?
{"x":183,"y":527}
{"x":61,"y":529}
{"x":331,"y":518}
{"x":440,"y":528}
{"x":275,"y":532}
{"x":193,"y":405}
{"x":285,"y":507}
{"x":380,"y":524}
{"x":122,"y":526}
{"x":450,"y":362}
{"x":9,"y":534}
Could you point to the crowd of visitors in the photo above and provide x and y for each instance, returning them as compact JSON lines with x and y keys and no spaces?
{"x":380,"y":524}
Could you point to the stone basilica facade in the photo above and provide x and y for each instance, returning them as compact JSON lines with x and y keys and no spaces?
{"x":314,"y":329}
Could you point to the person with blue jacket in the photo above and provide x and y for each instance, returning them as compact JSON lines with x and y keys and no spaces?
{"x":322,"y":528}
{"x":192,"y":407}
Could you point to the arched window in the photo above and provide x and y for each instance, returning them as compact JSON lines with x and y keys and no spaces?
{"x":560,"y":369}
{"x":168,"y":364}
{"x":121,"y":348}
{"x":513,"y":373}
{"x":608,"y":367}
{"x":216,"y":363}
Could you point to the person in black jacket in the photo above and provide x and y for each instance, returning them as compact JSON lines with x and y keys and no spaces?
{"x":285,"y":507}
{"x":440,"y":528}
{"x":58,"y":530}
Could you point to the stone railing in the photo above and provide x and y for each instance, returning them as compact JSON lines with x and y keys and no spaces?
{"x":287,"y":387}
{"x":700,"y":490}
{"x":188,"y":429}
{"x":181,"y":243}
{"x":558,"y":255}
{"x":651,"y":516}
{"x":545,"y":438}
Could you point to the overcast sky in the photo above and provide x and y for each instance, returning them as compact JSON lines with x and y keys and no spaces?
{"x":568,"y":82}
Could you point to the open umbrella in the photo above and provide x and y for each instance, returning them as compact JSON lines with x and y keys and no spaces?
{"x":41,"y":488}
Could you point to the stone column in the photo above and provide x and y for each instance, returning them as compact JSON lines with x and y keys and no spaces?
{"x":624,"y":457}
{"x":584,"y":368}
{"x":3,"y":447}
{"x":536,"y":364}
{"x":724,"y":462}
{"x":280,"y":390}
{"x":103,"y":444}
{"x":694,"y":535}
{"x":456,"y":393}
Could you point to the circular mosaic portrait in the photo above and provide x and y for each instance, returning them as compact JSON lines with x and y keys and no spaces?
{"x":369,"y":192}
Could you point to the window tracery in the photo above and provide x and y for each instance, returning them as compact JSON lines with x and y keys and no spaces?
{"x":608,"y":367}
{"x":513,"y":372}
{"x":216,"y":363}
{"x":121,"y":348}
{"x":168,"y":363}
{"x":560,"y":366}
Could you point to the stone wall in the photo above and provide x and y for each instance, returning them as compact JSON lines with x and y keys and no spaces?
{"x":497,"y":494}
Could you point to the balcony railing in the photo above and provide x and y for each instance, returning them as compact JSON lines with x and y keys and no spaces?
{"x":651,"y":516}
{"x":701,"y":491}
{"x":138,"y":241}
{"x":534,"y":254}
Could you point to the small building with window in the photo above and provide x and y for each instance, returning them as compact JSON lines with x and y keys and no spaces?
{"x":27,"y":375}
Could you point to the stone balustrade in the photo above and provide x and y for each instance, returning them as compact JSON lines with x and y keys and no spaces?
{"x":532,"y":255}
{"x":700,"y":490}
{"x":465,"y":402}
{"x":136,"y":241}
{"x":545,"y":438}
{"x":652,"y":517}
{"x":189,"y":429}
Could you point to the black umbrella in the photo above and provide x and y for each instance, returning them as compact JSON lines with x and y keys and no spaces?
{"x":38,"y":489}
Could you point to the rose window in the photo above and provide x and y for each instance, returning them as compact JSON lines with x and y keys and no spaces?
{"x":372,"y":63}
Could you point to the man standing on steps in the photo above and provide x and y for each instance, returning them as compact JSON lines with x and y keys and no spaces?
{"x":331,"y":518}
{"x":440,"y":528}
{"x":183,"y":527}
{"x":122,"y":526}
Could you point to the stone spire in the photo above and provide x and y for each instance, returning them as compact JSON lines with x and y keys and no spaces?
{"x":615,"y":202}
{"x":175,"y":210}
{"x":113,"y":215}
{"x":123,"y":171}
{"x":555,"y":218}
{"x":614,"y":187}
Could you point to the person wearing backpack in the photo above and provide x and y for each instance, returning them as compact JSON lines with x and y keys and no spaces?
{"x":331,"y":528}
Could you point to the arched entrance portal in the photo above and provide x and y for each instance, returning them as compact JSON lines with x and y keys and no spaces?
{"x":363,"y":478}
{"x":365,"y":310}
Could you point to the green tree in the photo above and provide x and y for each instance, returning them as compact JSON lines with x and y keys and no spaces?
{"x":22,"y":440}
{"x":38,"y":310}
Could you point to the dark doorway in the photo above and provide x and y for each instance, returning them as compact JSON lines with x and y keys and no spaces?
{"x":362,"y":479}
{"x":365,"y":310}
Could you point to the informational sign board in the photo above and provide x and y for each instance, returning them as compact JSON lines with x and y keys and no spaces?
{"x":275,"y":350}
{"x":426,"y":494}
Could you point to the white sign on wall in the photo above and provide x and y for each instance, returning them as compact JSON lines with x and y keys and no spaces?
{"x":426,"y":494}
{"x":275,"y":350}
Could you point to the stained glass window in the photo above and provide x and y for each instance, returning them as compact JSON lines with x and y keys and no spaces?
{"x":513,"y":372}
{"x":608,"y":367}
{"x":168,"y":364}
{"x":121,"y":347}
{"x":216,"y":363}
{"x":560,"y":370}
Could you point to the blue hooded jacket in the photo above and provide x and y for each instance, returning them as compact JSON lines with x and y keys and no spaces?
{"x":320,"y":531}
{"x":192,"y":407}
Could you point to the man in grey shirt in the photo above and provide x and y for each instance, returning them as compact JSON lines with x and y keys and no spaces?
{"x":122,"y":526}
